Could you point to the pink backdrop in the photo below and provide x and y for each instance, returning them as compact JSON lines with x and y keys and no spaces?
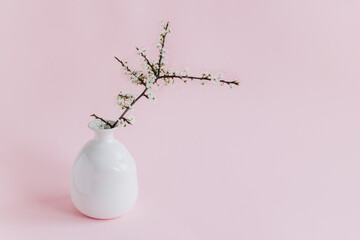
{"x":275,"y":159}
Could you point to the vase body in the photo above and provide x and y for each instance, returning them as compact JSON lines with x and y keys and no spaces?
{"x":104,"y":177}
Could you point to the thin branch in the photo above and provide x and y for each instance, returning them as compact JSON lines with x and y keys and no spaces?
{"x":124,"y":96}
{"x":129,"y":70}
{"x":139,"y":76}
{"x":198,"y":78}
{"x":162,"y":48}
{"x":128,"y":108}
{"x":104,"y":121}
{"x":152,"y":68}
{"x":127,"y":121}
{"x":148,"y":62}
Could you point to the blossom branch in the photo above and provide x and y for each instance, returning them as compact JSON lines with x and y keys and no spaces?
{"x":128,"y":108}
{"x":150,"y":77}
{"x":104,"y":121}
{"x":128,"y":70}
{"x":162,"y":42}
{"x":235,"y":82}
{"x":147,"y":61}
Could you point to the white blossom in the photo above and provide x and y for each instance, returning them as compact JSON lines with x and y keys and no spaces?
{"x":184,"y":72}
{"x":215,"y":79}
{"x":131,"y":119}
{"x":122,"y":123}
{"x":149,"y":84}
{"x":141,"y":51}
{"x":165,"y":31}
{"x":150,"y":95}
{"x":164,"y":23}
{"x":124,"y":100}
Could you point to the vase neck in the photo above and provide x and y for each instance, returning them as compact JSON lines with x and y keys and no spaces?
{"x":104,"y":135}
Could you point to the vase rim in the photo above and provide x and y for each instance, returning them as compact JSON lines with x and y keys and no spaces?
{"x":95,"y":125}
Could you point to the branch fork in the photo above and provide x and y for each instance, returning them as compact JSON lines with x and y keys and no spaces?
{"x":154,"y":72}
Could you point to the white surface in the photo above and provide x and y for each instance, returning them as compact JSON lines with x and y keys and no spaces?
{"x":104,"y":179}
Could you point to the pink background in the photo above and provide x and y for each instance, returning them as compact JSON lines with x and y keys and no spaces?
{"x":275,"y":159}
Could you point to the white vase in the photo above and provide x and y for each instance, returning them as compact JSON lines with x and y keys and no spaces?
{"x":104,"y":178}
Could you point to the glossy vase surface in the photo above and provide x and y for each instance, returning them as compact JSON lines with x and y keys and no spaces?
{"x":104,"y":177}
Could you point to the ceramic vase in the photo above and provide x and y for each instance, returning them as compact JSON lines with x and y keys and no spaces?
{"x":104,"y":178}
